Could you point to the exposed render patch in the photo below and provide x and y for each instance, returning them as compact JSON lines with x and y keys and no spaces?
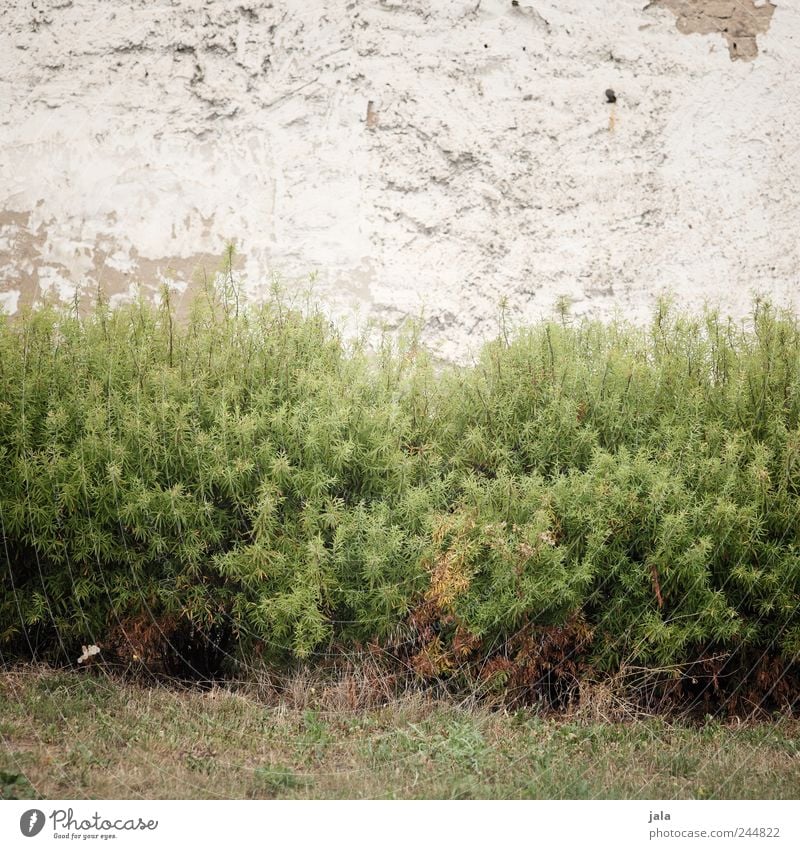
{"x":739,"y":21}
{"x":20,"y":255}
{"x":26,"y":266}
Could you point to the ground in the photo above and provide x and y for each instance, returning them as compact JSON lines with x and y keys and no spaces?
{"x":71,"y":735}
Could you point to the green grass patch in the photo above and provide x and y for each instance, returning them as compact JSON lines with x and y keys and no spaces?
{"x":165,"y":742}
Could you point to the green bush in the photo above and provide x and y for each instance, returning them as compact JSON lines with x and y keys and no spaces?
{"x":246,"y":476}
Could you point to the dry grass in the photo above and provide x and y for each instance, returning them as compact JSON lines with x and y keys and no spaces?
{"x":69,"y":735}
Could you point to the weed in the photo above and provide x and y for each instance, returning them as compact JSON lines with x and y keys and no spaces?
{"x":277,"y":779}
{"x":588,"y":504}
{"x":14,"y":785}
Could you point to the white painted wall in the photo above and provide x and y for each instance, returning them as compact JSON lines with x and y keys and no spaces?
{"x":139,"y":136}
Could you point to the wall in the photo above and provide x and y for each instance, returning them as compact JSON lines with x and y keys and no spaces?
{"x":411,"y":156}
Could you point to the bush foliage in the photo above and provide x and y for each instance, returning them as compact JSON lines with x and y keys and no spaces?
{"x":599,"y":496}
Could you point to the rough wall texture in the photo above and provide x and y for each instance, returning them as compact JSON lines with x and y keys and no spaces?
{"x":434,"y":156}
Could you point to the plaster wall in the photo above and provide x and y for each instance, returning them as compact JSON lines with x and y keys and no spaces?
{"x":411,"y":156}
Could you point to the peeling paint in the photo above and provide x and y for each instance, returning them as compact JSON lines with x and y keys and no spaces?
{"x":28,"y":263}
{"x":738,"y":21}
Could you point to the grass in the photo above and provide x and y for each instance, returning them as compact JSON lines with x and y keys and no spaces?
{"x":70,"y":735}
